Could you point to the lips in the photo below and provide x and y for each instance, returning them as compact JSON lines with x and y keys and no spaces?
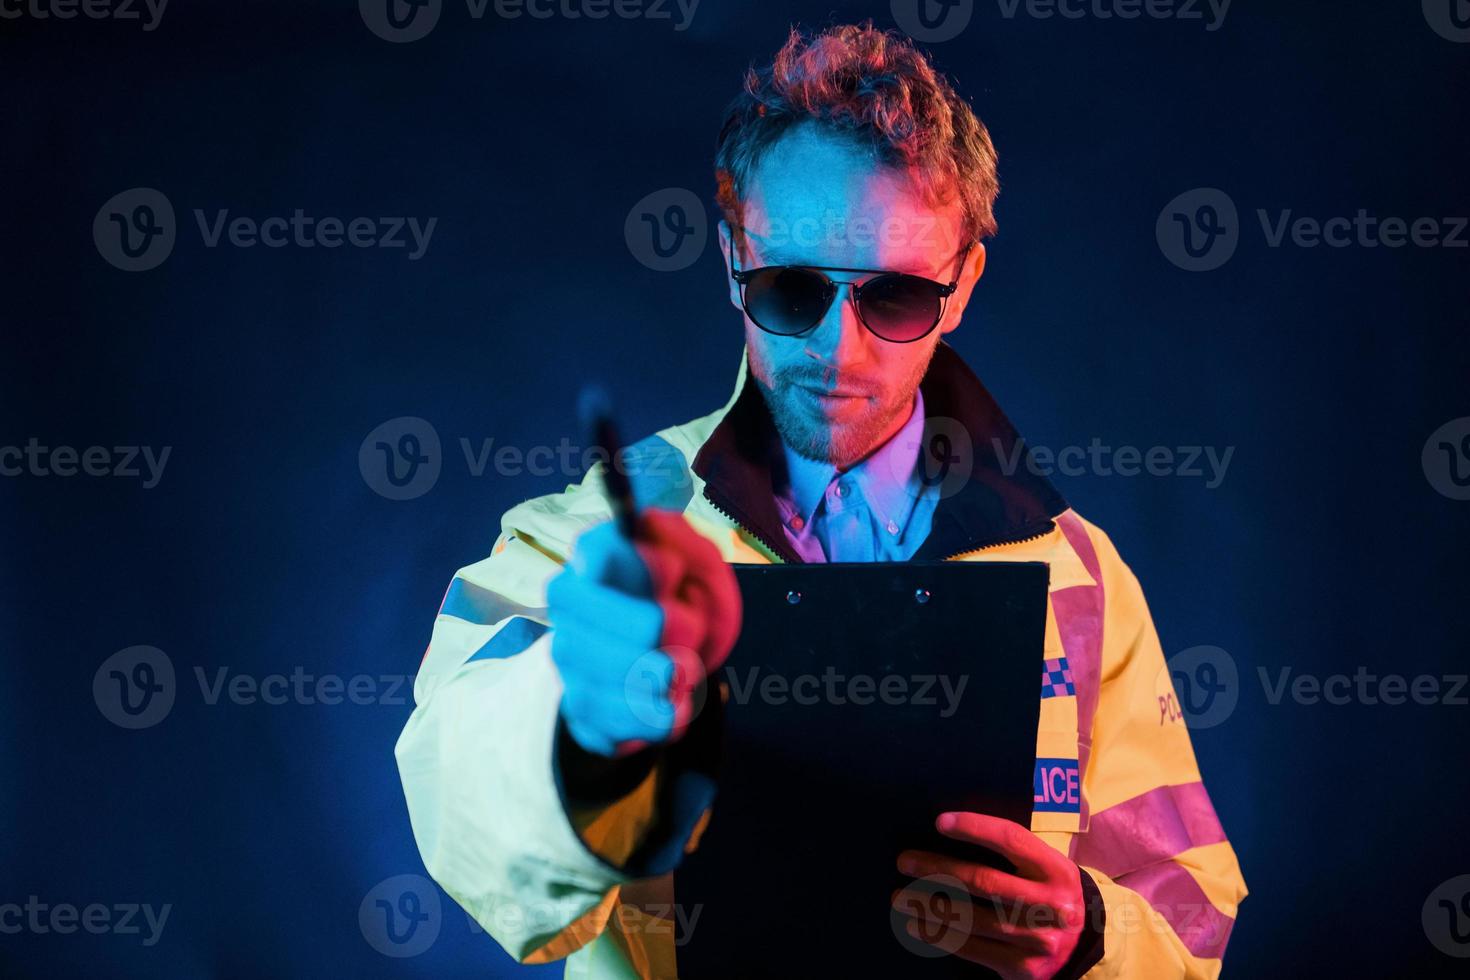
{"x":835,"y":393}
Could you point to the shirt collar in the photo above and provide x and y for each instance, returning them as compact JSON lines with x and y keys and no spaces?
{"x":994,"y":494}
{"x":884,"y":478}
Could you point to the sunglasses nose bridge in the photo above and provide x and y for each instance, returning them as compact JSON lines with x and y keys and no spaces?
{"x":840,"y":325}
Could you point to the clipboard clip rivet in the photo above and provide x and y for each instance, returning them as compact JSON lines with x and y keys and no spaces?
{"x":793,"y":597}
{"x":921,"y":596}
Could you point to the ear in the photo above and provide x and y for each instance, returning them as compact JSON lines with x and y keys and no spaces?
{"x":727,"y":248}
{"x":970,"y":273}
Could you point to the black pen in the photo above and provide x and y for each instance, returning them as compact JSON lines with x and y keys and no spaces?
{"x":595,"y":412}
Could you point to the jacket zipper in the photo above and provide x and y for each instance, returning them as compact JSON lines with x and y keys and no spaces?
{"x":998,"y":544}
{"x":757,"y":537}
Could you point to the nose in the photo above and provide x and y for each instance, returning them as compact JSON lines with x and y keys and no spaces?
{"x":839,"y":337}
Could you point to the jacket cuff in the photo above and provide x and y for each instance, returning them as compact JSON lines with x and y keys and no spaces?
{"x":1090,"y":944}
{"x":674,"y":785}
{"x":590,"y":782}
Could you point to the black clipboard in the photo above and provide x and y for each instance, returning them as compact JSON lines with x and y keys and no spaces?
{"x":818,"y":792}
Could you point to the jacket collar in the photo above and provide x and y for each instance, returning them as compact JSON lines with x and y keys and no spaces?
{"x":989,"y":495}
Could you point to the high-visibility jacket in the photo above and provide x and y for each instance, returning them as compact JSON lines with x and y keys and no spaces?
{"x":549,"y":880}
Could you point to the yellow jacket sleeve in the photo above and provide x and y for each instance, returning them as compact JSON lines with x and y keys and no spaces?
{"x":1168,"y":877}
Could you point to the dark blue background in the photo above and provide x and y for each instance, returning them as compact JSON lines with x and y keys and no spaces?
{"x":263,"y":549}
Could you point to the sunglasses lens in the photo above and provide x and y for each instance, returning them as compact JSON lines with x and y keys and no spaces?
{"x":900,"y":308}
{"x":786,"y":301}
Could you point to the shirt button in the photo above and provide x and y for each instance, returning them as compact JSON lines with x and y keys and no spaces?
{"x":797,"y":523}
{"x":892,"y":528}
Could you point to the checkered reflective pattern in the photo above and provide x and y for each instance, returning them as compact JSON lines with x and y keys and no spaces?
{"x":1056,"y":679}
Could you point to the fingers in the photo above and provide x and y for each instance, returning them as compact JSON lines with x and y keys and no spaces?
{"x":637,"y":708}
{"x":980,"y":880}
{"x":1029,"y":853}
{"x":637,"y":627}
{"x":1002,"y":957}
{"x":689,"y":571}
{"x":602,"y":554}
{"x":574,"y":599}
{"x":945,"y":909}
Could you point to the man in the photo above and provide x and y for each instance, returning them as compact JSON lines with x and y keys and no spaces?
{"x":549,"y":767}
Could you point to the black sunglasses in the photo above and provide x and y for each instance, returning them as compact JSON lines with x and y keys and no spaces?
{"x":791,"y":299}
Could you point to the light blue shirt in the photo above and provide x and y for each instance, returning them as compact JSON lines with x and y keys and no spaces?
{"x":879,"y":510}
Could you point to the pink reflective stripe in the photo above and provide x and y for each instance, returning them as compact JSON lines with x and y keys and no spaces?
{"x":1149,"y":828}
{"x":1174,"y":894}
{"x":1079,"y":614}
{"x":1071,"y":526}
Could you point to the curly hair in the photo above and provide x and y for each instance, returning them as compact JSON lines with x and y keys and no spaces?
{"x":877,"y":90}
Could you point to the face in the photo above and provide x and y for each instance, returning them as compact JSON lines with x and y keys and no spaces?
{"x":838,"y":392}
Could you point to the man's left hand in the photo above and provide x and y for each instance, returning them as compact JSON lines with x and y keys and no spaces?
{"x":1023,"y":925}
